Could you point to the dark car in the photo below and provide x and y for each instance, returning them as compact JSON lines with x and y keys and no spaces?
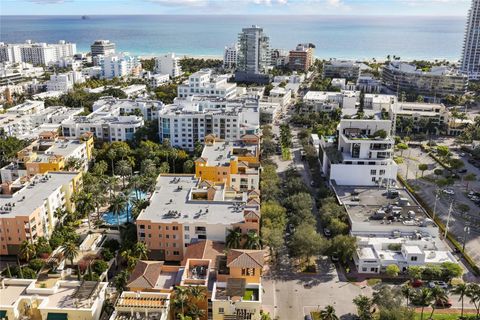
{"x":462,"y":170}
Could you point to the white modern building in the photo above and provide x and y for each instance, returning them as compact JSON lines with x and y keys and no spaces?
{"x":328,"y":101}
{"x":253,"y":53}
{"x":168,"y":64}
{"x":230,"y":56}
{"x":36,"y":53}
{"x":64,"y":82}
{"x":421,"y":115}
{"x":346,"y":69}
{"x":157,"y":79}
{"x":471,"y":47}
{"x":362,"y":154}
{"x":189,"y":121}
{"x":280,"y":95}
{"x":148,"y":109}
{"x":203,"y":83}
{"x":379,"y":102}
{"x":368,"y":84}
{"x":118,"y":66}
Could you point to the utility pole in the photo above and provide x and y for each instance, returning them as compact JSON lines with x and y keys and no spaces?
{"x":448,"y":219}
{"x":435,"y":205}
{"x":466,"y":230}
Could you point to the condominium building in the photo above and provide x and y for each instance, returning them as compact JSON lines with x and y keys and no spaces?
{"x":347,"y":69}
{"x":168,"y":64}
{"x":278,"y":58}
{"x":184,"y":210}
{"x":64,"y":82}
{"x":187,"y":122}
{"x":362,"y":154}
{"x":203,"y":83}
{"x":439,"y":81}
{"x":230,"y":56}
{"x":328,"y":101}
{"x":49,"y":154}
{"x":102,"y":47}
{"x":155,"y":80}
{"x":419,"y":116}
{"x":236,"y":164}
{"x":301,"y":59}
{"x":253,"y":58}
{"x":118,"y":66}
{"x":379,"y":102}
{"x":27,"y":210}
{"x":12,"y":73}
{"x":470,"y":61}
{"x":368,"y":84}
{"x":106,"y":123}
{"x":148,"y":109}
{"x":391,"y":228}
{"x":36,"y":53}
{"x":54,"y":299}
{"x":280,"y":95}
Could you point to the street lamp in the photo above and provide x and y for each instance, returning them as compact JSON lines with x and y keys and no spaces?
{"x":448,"y":219}
{"x":466,"y":230}
{"x":435,"y":205}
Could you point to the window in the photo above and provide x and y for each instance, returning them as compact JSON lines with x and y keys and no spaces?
{"x":364,"y":269}
{"x":175,"y":228}
{"x":187,"y":228}
{"x":373,"y":172}
{"x":373,"y":179}
{"x":159,"y":227}
{"x":221,"y":310}
{"x":176,"y":253}
{"x":149,"y":227}
{"x":248,"y":271}
{"x":382,"y":172}
{"x":413,"y":258}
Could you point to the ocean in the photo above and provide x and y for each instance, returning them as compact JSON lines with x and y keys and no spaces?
{"x":349,"y":37}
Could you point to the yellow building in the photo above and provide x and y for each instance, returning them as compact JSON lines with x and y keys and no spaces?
{"x":234,"y":163}
{"x":50,"y":153}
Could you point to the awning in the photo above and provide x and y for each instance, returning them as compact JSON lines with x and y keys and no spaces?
{"x":57,"y":316}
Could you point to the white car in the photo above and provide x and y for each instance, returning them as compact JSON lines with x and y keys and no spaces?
{"x":449,"y":192}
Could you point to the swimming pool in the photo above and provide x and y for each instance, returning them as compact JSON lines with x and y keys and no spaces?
{"x":111,"y":219}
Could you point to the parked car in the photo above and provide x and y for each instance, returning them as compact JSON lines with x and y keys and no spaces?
{"x":417,"y":283}
{"x":449,"y":192}
{"x":462,"y":170}
{"x":443,"y":304}
{"x":334,"y":257}
{"x":440,"y":284}
{"x":462,"y":154}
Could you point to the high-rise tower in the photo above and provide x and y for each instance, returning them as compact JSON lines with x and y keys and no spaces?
{"x":471,"y":47}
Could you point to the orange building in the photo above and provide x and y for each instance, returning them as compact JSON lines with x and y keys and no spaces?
{"x":301,"y":59}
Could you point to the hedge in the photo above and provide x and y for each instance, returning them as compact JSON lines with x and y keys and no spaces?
{"x":440,"y":224}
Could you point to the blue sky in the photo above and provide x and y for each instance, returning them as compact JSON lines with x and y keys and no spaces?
{"x":328,"y":7}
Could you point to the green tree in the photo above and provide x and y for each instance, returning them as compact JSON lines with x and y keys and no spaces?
{"x":188,"y":167}
{"x":140,"y":250}
{"x":450,"y":270}
{"x":443,"y":151}
{"x":456,"y":164}
{"x":461,"y":290}
{"x":252,"y":240}
{"x":423,"y":167}
{"x":344,"y":246}
{"x":273,"y":238}
{"x":84,"y":204}
{"x":402,"y":147}
{"x":364,"y":307}
{"x":117,"y":205}
{"x":407,"y":292}
{"x":99,"y":266}
{"x":120,"y":280}
{"x":469,"y":178}
{"x":392,"y":270}
{"x":328,"y":313}
{"x":306,"y":242}
{"x":233,"y":239}
{"x":423,"y":297}
{"x":27,"y":250}
{"x":42,"y":246}
{"x":473,"y":293}
{"x":180,"y":299}
{"x":70,"y":251}
{"x":439,"y":297}
{"x":124,"y":169}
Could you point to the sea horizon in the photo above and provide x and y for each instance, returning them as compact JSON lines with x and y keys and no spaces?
{"x":335,"y":36}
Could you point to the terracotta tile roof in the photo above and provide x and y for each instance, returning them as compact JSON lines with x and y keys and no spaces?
{"x":245,"y":259}
{"x":145,"y":274}
{"x":207,"y":249}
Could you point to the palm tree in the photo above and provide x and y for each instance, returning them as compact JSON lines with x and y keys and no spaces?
{"x":84,"y":204}
{"x":117,"y":205}
{"x":182,"y":317}
{"x":461,"y":289}
{"x":70,"y":251}
{"x":439,"y":297}
{"x":407,"y":292}
{"x":364,"y":306}
{"x":328,"y":313}
{"x":140,"y":250}
{"x":195,"y":313}
{"x":473,"y":292}
{"x":124,"y":169}
{"x":196,"y":293}
{"x":424,"y":298}
{"x":130,"y":258}
{"x":120,"y":280}
{"x":180,"y":298}
{"x":27,"y":250}
{"x":252,"y":240}
{"x":234,"y":238}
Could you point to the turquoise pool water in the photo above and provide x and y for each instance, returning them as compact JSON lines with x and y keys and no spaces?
{"x":111,"y":219}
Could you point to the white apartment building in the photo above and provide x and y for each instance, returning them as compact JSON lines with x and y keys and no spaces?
{"x":36,"y":53}
{"x":362,"y":156}
{"x":105,"y":123}
{"x":187,"y":122}
{"x":148,"y":109}
{"x":471,"y":46}
{"x":64,"y":82}
{"x":157,"y":79}
{"x":11,"y":73}
{"x":368,"y":84}
{"x":280,"y":95}
{"x":379,"y":102}
{"x":168,"y":64}
{"x":230,"y":56}
{"x":203,"y":83}
{"x":420,"y":114}
{"x":118,"y":66}
{"x":328,"y":101}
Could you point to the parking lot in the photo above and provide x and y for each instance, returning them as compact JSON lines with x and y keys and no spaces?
{"x":456,"y":193}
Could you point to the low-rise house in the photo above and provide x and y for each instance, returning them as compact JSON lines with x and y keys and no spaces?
{"x":27,"y":299}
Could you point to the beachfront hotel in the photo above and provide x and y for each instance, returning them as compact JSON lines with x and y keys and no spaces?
{"x":36,"y":53}
{"x":27,"y":209}
{"x":471,"y":47}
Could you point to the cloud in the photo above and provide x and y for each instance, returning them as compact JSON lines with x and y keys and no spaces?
{"x":180,"y":3}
